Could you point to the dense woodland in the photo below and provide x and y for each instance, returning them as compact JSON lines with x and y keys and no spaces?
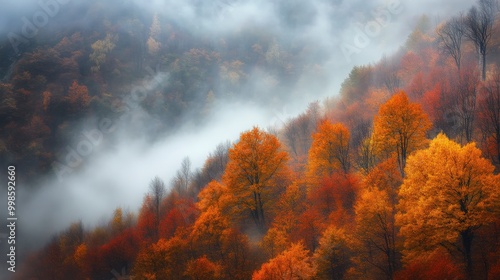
{"x":395,"y":177}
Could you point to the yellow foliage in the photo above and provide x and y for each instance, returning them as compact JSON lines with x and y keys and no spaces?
{"x":292,"y":264}
{"x":375,"y":233}
{"x":256,"y":172}
{"x":448,"y":193}
{"x":329,"y":151}
{"x":274,"y":242}
{"x":384,"y":176}
{"x":332,"y":256}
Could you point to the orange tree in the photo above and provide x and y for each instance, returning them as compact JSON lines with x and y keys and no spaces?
{"x":400,"y":127}
{"x":329,"y":151}
{"x":256,"y":172}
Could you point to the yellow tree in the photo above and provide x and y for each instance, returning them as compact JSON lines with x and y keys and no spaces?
{"x":207,"y":232}
{"x":329,"y":150}
{"x":449,"y":192}
{"x":274,"y":242}
{"x":255,"y":174}
{"x":100,"y":50}
{"x":374,"y":242}
{"x":375,"y":234}
{"x":400,"y":127}
{"x":332,"y":256}
{"x":293,"y":263}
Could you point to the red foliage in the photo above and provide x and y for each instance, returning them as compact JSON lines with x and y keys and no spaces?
{"x":146,"y":224}
{"x":121,"y":250}
{"x":309,"y":228}
{"x":437,"y":266}
{"x":182,"y":214}
{"x":337,"y":192}
{"x":494,"y":272}
{"x":431,"y":102}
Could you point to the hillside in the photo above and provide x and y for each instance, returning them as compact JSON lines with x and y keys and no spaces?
{"x":396,"y":176}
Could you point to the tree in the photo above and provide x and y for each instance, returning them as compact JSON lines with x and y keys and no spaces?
{"x":154,"y":35}
{"x":183,"y":177}
{"x":332,"y":258}
{"x":207,"y":232}
{"x":255,"y":173}
{"x":450,"y":35}
{"x":294,"y":264}
{"x":490,"y":115}
{"x":274,"y":242}
{"x":216,"y":164}
{"x":297,"y":134}
{"x":146,"y":220}
{"x":157,"y":189}
{"x":100,"y":50}
{"x":465,"y":103}
{"x":78,"y":97}
{"x":436,"y":266}
{"x":289,"y":207}
{"x":329,"y":150}
{"x":179,"y":213}
{"x":210,"y":196}
{"x":449,"y":192}
{"x":367,"y":150}
{"x":336,"y":193}
{"x":479,"y":22}
{"x":165,"y":259}
{"x":203,"y":269}
{"x":400,"y":127}
{"x":376,"y":233}
{"x":121,"y":251}
{"x":212,"y":170}
{"x":236,"y":258}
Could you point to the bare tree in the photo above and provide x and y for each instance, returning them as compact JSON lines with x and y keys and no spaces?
{"x":214,"y":167}
{"x":490,"y":115}
{"x":157,"y":190}
{"x":290,"y":131}
{"x":450,"y":38}
{"x":218,"y":161}
{"x":466,"y":95}
{"x":183,"y":177}
{"x":388,"y":75}
{"x":479,"y":23}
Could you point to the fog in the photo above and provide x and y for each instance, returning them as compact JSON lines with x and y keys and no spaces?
{"x":118,"y":175}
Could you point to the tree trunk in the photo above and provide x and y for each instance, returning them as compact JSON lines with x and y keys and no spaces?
{"x":484,"y":66}
{"x":467,"y":237}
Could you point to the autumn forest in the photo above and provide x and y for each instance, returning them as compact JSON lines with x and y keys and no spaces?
{"x":394,"y":177}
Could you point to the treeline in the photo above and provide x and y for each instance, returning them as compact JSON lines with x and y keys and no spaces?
{"x":416,"y":209}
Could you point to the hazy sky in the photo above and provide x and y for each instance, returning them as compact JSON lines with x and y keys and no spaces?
{"x":119,"y":177}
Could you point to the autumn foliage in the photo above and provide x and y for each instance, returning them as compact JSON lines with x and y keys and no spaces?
{"x":394,"y":178}
{"x":400,"y":128}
